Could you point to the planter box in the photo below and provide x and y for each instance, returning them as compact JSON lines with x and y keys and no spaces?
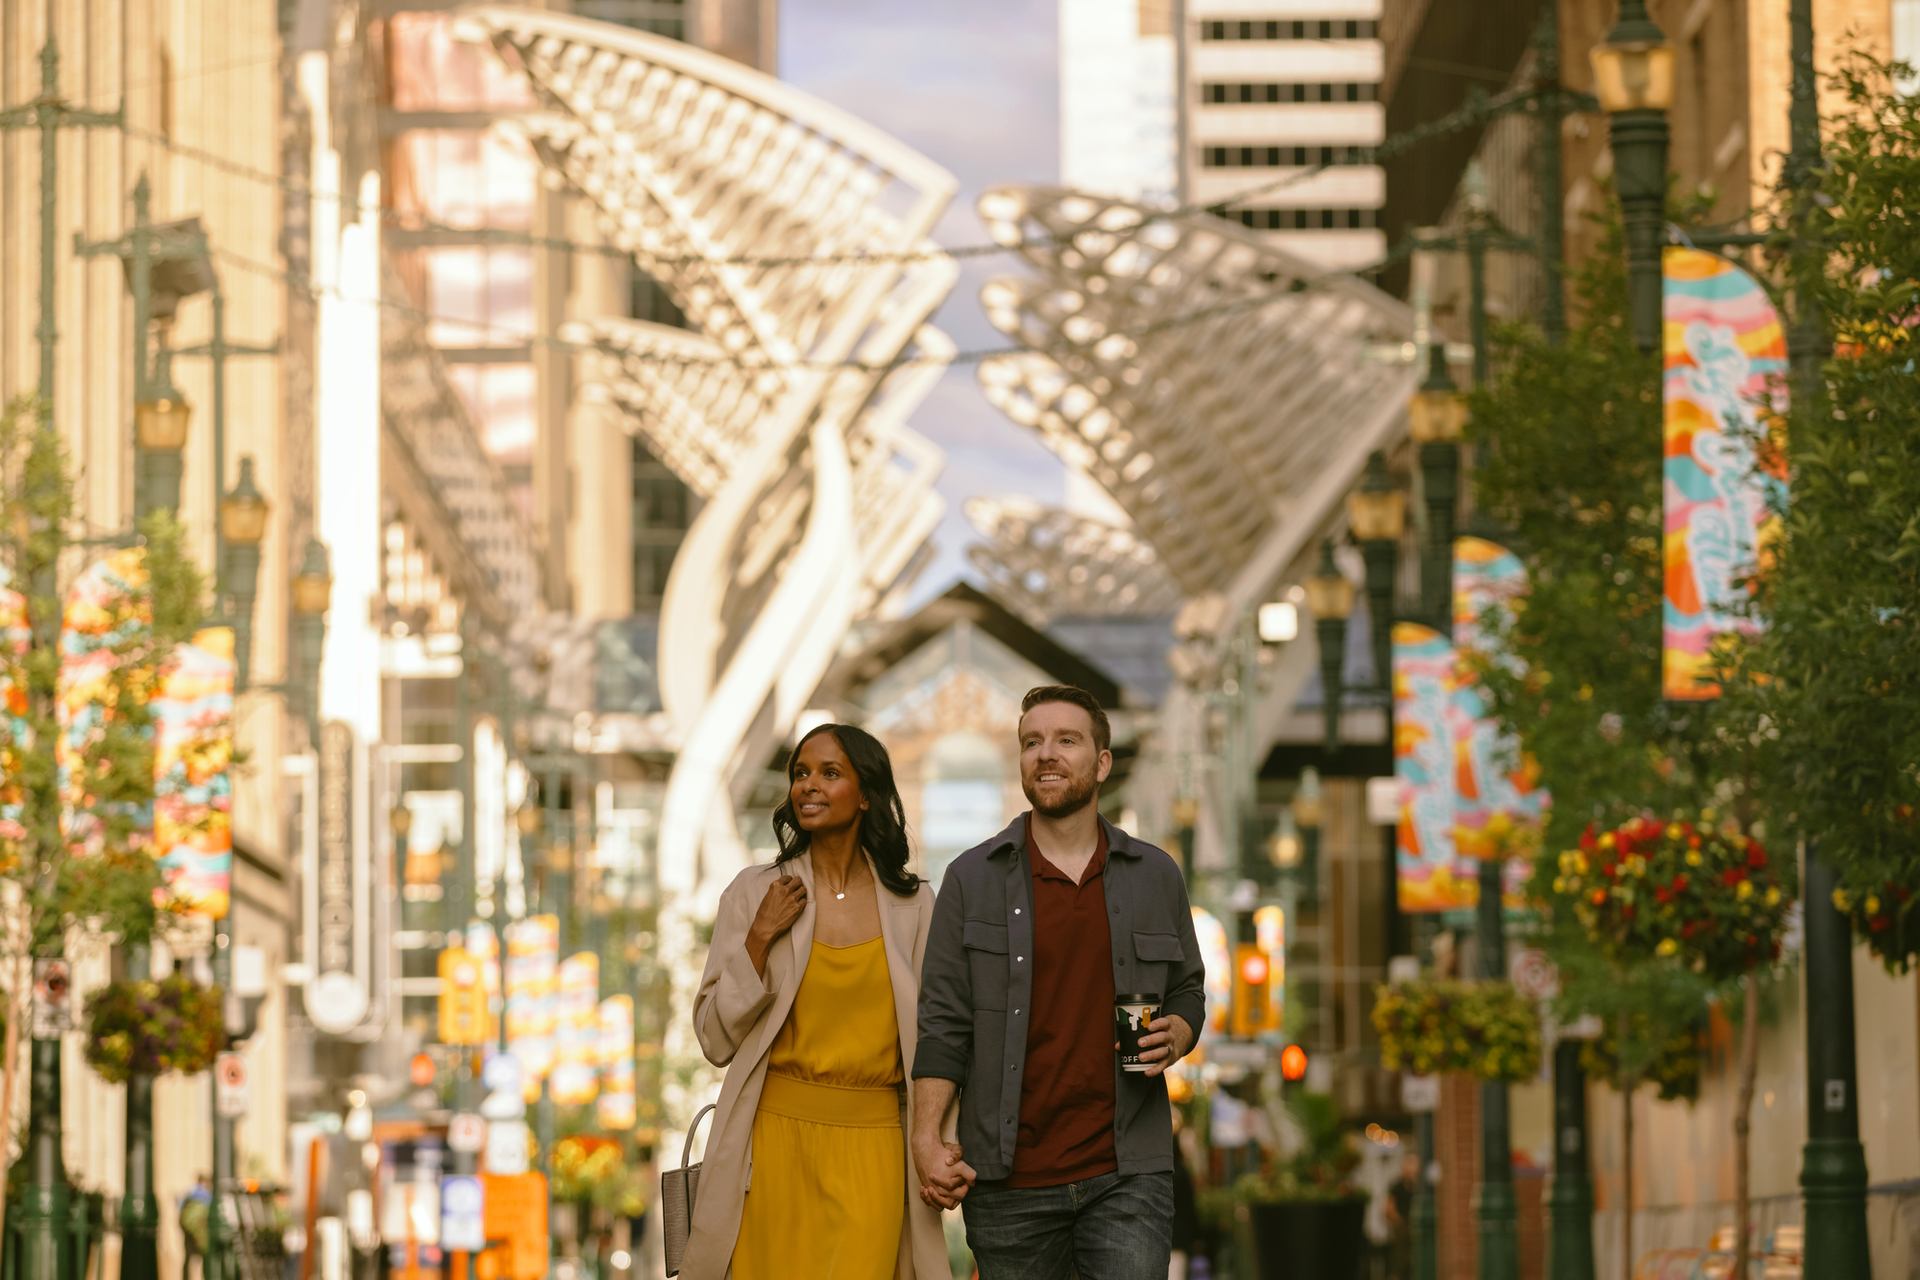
{"x":1305,"y":1241}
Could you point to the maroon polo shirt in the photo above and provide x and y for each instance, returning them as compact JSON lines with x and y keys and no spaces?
{"x":1067,"y":1090}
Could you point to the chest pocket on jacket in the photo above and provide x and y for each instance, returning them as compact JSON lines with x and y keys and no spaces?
{"x":986,"y":945}
{"x":1157,"y":958}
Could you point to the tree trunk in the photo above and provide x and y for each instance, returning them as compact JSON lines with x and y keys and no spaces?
{"x":1626,"y":1182}
{"x":1743,"y":1128}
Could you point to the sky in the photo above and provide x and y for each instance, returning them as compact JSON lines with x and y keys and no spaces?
{"x":973,"y":87}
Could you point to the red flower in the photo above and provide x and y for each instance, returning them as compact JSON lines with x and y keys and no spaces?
{"x":1626,"y":912}
{"x":1879,"y":923}
{"x":1588,"y":841}
{"x":1680,"y":883}
{"x":1663,"y":895}
{"x":1900,"y":892}
{"x":1756,"y":856}
{"x":1733,"y":876}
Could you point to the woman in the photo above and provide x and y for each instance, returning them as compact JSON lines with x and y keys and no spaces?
{"x":809,"y":1001}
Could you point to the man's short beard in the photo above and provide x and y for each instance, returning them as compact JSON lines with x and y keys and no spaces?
{"x":1080,"y":794}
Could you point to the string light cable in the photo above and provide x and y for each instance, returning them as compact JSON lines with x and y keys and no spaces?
{"x":1479,"y":109}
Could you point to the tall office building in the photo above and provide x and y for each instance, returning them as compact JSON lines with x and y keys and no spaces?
{"x":1279,"y":99}
{"x":1118,"y":100}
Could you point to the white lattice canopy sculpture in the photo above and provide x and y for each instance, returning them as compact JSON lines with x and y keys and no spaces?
{"x":1224,"y":392}
{"x":793,"y":237}
{"x":1047,"y":562}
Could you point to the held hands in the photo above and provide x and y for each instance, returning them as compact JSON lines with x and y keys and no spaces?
{"x":1166,"y":1042}
{"x":945,"y":1178}
{"x":786,"y":899}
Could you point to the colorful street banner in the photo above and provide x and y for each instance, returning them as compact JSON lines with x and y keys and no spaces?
{"x":193,"y":774}
{"x":1724,"y":387}
{"x":1431,"y":875}
{"x":16,"y":731}
{"x":576,"y":1056}
{"x":1496,"y":786}
{"x":619,"y":1103}
{"x":1218,"y":959}
{"x":1270,"y":935}
{"x":533,"y":996}
{"x":107,"y":610}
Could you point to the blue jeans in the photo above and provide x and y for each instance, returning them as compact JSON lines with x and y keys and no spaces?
{"x":1105,"y":1228}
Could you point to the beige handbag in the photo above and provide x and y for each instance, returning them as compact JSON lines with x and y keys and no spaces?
{"x":678,"y":1187}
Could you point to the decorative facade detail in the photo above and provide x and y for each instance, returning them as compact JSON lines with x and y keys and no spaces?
{"x":791,"y":236}
{"x":1046,"y":562}
{"x":1222,"y":390}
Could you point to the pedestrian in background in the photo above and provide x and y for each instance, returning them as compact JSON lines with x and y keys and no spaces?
{"x":1036,"y":933}
{"x":808,"y":1000}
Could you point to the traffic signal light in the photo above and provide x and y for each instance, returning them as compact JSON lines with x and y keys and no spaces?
{"x":463,"y":998}
{"x":1293,"y":1064}
{"x":1253,"y":1004}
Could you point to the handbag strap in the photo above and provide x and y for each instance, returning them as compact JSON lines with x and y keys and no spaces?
{"x":686,"y":1152}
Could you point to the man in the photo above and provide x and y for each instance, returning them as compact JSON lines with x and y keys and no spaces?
{"x":1065,"y":1162}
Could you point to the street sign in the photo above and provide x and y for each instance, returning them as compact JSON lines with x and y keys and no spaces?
{"x":1420,"y":1094}
{"x":230,"y":1086}
{"x":463,"y":998}
{"x":462,"y":1214}
{"x":506,"y":1148}
{"x":52,"y":998}
{"x":466,"y":1133}
{"x":1534,"y":975}
{"x":515,"y":1212}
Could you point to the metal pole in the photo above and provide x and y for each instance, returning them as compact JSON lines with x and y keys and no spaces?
{"x":48,"y":332}
{"x":218,"y":1263}
{"x":139,"y":1210}
{"x":1477,"y":307}
{"x":1833,"y":1170}
{"x":243,"y":625}
{"x":1548,"y":156}
{"x":1570,"y":1191}
{"x":1493,"y":1202}
{"x":1426,"y":1212}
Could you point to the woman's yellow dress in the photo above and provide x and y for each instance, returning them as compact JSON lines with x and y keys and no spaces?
{"x":827,"y":1194}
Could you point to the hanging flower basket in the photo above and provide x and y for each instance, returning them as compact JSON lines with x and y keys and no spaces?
{"x":1703,"y":894}
{"x":1887,"y":920}
{"x":1440,"y":1027}
{"x":169,"y":1026}
{"x":1674,"y":1070}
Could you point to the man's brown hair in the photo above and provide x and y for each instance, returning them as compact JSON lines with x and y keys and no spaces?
{"x":1102,"y":731}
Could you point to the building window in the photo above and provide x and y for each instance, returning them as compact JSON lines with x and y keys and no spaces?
{"x":1271,"y":92}
{"x":1274,"y":30}
{"x":1275,"y":157}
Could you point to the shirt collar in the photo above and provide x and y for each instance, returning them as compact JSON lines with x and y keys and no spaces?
{"x":1042,"y":867}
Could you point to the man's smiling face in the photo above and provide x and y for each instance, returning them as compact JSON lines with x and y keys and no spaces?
{"x":1061,"y":768}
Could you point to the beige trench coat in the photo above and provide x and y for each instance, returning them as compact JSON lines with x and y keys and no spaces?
{"x":737,"y":1014}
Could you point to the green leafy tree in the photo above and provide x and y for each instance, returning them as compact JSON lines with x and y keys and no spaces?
{"x":110,"y":884}
{"x":1840,"y":705}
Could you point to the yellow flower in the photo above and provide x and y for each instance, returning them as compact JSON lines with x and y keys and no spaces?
{"x":1673,"y":831}
{"x":1745,"y":890}
{"x":1773,"y":896}
{"x":1872,"y":904}
{"x":1693,"y":858}
{"x":1636,"y":865}
{"x":1559,"y":884}
{"x":1841,"y":902}
{"x":1606,"y":840}
{"x":1667,"y":947}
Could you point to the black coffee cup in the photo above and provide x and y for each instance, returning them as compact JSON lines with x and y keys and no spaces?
{"x":1131,"y":1014}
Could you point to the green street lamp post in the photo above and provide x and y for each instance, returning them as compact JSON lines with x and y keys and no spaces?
{"x":1833,"y":1168}
{"x":1377,"y":515}
{"x":1330,"y":598}
{"x":312,"y":594}
{"x":1437,"y":418}
{"x":1633,"y":78}
{"x":1570,"y":1189}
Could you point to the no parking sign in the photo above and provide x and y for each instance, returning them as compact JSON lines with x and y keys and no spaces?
{"x":462,"y":1214}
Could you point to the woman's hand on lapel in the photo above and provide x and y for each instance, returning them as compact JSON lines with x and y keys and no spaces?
{"x":785,"y":899}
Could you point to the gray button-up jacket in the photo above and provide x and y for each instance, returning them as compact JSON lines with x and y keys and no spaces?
{"x":976,"y":985}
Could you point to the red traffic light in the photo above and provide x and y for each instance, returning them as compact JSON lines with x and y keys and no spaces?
{"x":1253,"y":968}
{"x":1293,"y":1064}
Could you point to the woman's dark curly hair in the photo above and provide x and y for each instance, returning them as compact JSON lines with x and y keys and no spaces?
{"x":883,"y":827}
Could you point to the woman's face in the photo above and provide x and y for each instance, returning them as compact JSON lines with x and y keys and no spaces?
{"x":823,"y":787}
